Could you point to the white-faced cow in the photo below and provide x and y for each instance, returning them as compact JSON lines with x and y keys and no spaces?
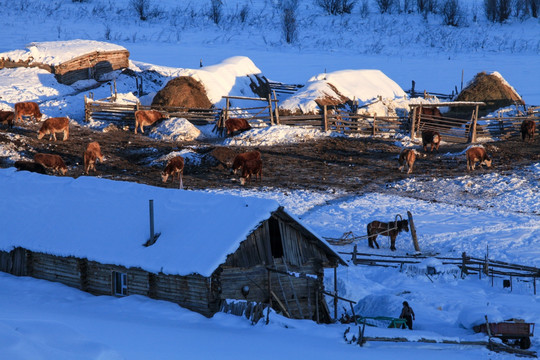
{"x":54,"y":125}
{"x":251,"y":168}
{"x":406,"y":160}
{"x":27,"y":108}
{"x":236,"y":124}
{"x":147,"y":118}
{"x":528,"y":128}
{"x":431,"y":138}
{"x":174,"y":167}
{"x":92,"y":153}
{"x":477,"y":154}
{"x":240,"y":159}
{"x":52,"y":161}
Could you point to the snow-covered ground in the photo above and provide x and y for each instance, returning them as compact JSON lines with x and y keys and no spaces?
{"x":495,"y":211}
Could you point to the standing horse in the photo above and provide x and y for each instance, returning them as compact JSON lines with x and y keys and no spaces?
{"x":391,"y":229}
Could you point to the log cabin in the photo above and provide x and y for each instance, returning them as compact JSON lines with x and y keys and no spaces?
{"x":70,"y":61}
{"x":208,"y":250}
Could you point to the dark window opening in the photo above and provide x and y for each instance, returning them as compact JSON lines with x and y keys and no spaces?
{"x":119,"y":283}
{"x":275,"y":238}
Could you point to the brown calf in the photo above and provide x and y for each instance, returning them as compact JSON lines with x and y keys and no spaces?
{"x":240,"y":159}
{"x":54,"y":162}
{"x":251,"y":167}
{"x":92,"y":153}
{"x":30,"y":166}
{"x":27,"y":108}
{"x":477,"y":154}
{"x":406,"y":159}
{"x":236,"y":124}
{"x":528,"y":127}
{"x":53,"y":125}
{"x":432,"y":138}
{"x":7,"y":117}
{"x":175,"y":166}
{"x":147,"y":117}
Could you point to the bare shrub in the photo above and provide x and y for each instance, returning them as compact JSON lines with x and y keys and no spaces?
{"x":216,"y":11}
{"x":288,"y":20}
{"x":452,"y":13}
{"x":336,"y":7}
{"x":497,"y":10}
{"x":244,"y":13}
{"x":141,"y":8}
{"x":364,"y":9}
{"x":386,"y":6}
{"x":426,"y":6}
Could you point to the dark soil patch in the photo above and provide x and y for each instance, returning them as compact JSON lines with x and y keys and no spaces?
{"x":354,"y":165}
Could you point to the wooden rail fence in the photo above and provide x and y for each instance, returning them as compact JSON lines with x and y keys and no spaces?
{"x":467,"y":264}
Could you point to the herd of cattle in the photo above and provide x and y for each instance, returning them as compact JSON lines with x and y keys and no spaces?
{"x":250,"y":163}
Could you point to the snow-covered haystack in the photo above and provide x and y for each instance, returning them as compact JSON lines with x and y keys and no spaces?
{"x":71,"y":60}
{"x":183,"y":91}
{"x":237,"y":76}
{"x":342,"y":87}
{"x":492,"y":89}
{"x":175,"y":129}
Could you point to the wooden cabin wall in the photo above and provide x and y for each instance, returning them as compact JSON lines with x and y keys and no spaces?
{"x":55,"y":268}
{"x":191,"y":292}
{"x":255,"y":250}
{"x":288,"y":289}
{"x":297,"y":249}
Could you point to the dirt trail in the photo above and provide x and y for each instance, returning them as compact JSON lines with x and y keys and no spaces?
{"x":350,"y":164}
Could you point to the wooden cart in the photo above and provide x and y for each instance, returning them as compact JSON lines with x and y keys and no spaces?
{"x":512,"y":332}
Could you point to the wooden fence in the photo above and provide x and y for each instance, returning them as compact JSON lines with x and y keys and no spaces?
{"x":124,"y":114}
{"x":468,"y":265}
{"x":505,"y":127}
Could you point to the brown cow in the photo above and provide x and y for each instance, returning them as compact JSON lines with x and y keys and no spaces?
{"x":407,"y":159}
{"x":477,"y":154}
{"x":92,"y":153}
{"x":175,"y":166}
{"x":240,"y":159}
{"x":27,"y":108}
{"x":7,"y":117}
{"x":54,"y":162}
{"x":53,"y":125}
{"x":528,"y":127}
{"x":236,"y":124}
{"x":251,"y":167}
{"x":30,"y":166}
{"x":147,"y":117}
{"x":432,"y":138}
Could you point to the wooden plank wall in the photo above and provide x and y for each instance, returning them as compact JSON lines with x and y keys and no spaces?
{"x":54,"y":268}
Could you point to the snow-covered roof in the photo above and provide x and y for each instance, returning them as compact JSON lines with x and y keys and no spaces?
{"x":57,"y":52}
{"x":362,"y":85}
{"x":231,"y":76}
{"x":108,"y":222}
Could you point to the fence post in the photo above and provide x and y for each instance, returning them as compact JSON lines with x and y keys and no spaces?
{"x":413,"y":232}
{"x":464,"y":264}
{"x":472,"y":137}
{"x":335,"y":293}
{"x":85,"y":109}
{"x":276,"y":109}
{"x":413,"y":122}
{"x":325,"y":118}
{"x":270,"y":109}
{"x":354,"y":254}
{"x":374,"y":126}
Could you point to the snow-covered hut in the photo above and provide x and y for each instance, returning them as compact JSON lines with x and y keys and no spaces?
{"x":69,"y":61}
{"x":90,"y":233}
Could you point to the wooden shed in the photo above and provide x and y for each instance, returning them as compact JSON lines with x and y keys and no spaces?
{"x":268,"y":257}
{"x":69,"y":61}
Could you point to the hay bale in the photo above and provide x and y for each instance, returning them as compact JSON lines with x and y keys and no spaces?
{"x":491,"y":89}
{"x":183,"y":91}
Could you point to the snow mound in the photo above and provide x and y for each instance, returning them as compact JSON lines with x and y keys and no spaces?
{"x":175,"y":129}
{"x":362,"y":85}
{"x":273,"y":135}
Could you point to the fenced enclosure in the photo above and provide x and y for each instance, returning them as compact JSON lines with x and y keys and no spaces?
{"x":468,"y":265}
{"x":265,"y":112}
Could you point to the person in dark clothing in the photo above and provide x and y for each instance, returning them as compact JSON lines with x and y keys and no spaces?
{"x":407,"y":313}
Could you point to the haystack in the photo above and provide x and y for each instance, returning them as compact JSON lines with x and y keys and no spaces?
{"x":491,"y":89}
{"x":183,"y":91}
